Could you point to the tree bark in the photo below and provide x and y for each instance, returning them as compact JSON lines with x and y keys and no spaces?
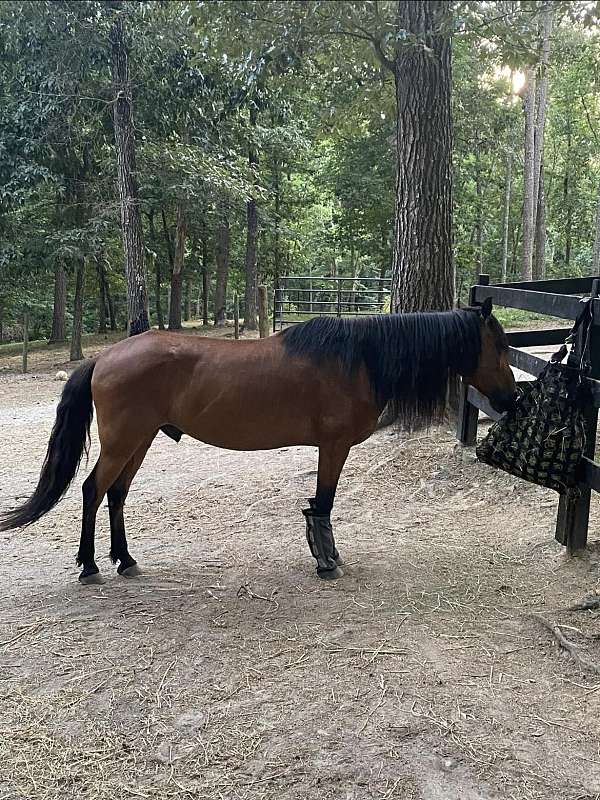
{"x":158,"y":281}
{"x":59,"y":328}
{"x":76,"y":351}
{"x":205,"y":282}
{"x":222,"y":258}
{"x":422,"y":264}
{"x":131,"y":222}
{"x":160,"y":320}
{"x":102,"y":307}
{"x":168,"y":239}
{"x":542,"y":99}
{"x":506,"y":220}
{"x":176,"y":277}
{"x":569,"y":221}
{"x":539,"y":263}
{"x":529,"y":183}
{"x":479,"y":223}
{"x":276,"y":251}
{"x":250,"y":316}
{"x":111,"y":307}
{"x":187,"y":301}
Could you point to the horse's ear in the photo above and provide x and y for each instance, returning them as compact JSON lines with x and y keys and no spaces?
{"x":486,"y":308}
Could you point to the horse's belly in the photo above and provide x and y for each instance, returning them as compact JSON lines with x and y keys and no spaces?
{"x":251,"y":433}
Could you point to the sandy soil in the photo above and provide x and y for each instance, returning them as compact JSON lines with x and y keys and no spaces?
{"x":228,"y":670}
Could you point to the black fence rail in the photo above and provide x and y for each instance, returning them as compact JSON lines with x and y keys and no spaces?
{"x":556,"y":298}
{"x":299,"y":297}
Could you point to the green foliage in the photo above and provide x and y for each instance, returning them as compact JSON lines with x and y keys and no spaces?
{"x":318,"y":76}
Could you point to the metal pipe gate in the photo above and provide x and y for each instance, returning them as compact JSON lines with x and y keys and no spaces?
{"x":299,"y":297}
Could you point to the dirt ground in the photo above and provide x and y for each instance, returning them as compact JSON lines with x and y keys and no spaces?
{"x":228,"y":670}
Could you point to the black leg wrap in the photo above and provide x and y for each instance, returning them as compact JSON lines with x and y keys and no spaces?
{"x":319,"y":536}
{"x":336,"y":556}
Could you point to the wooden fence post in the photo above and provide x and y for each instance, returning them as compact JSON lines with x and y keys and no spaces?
{"x":263,"y":312}
{"x":236,"y":316}
{"x":573,"y":512}
{"x":468,"y":415}
{"x":25,"y":339}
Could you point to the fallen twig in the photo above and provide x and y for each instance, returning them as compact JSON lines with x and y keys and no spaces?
{"x":566,"y":644}
{"x":246,"y":591}
{"x":375,"y":708}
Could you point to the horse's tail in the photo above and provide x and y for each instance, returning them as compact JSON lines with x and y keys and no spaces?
{"x":68,"y":441}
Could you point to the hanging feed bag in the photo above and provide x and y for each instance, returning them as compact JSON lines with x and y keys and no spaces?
{"x":542,"y":438}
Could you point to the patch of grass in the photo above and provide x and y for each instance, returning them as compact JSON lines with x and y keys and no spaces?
{"x":514,"y":317}
{"x":38,"y":345}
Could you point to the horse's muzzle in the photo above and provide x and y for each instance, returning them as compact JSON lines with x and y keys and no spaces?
{"x":503,"y":401}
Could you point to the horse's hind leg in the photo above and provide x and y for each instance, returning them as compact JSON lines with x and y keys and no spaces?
{"x":117,"y":494}
{"x":107,"y":469}
{"x":319,"y":532}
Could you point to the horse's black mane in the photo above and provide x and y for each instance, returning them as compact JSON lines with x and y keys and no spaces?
{"x":409,"y":357}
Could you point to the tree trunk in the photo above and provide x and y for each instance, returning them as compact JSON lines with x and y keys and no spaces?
{"x":542,"y":100}
{"x":100,"y":270}
{"x":276,"y":252}
{"x":205,"y":282}
{"x":76,"y":351}
{"x":250,"y":317}
{"x":158,"y":280}
{"x":516,"y":238}
{"x":353,"y":275}
{"x":59,"y":328}
{"x":157,"y":277}
{"x":131,"y":222}
{"x":422,"y":265}
{"x":111,"y":307}
{"x":222,"y":258}
{"x":479,"y":223}
{"x":596,"y":254}
{"x":168,"y":239}
{"x":529,"y":183}
{"x":187,"y":301}
{"x":569,"y":221}
{"x":176,"y":277}
{"x":506,"y":220}
{"x":539,"y":263}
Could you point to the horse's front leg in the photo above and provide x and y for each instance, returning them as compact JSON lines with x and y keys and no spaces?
{"x":319,"y":533}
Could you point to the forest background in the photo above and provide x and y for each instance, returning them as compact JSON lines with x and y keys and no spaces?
{"x":252,"y":140}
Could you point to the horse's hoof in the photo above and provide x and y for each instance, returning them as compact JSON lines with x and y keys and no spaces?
{"x":339,"y":560}
{"x":130,"y":572}
{"x":95,"y":577}
{"x":331,"y":574}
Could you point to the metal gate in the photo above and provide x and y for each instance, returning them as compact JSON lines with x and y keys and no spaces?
{"x":300,"y":297}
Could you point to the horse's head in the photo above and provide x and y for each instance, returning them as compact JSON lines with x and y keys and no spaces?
{"x":493,"y":376}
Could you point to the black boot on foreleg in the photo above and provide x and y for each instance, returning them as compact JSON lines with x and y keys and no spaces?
{"x":312,"y":501}
{"x":319,"y":536}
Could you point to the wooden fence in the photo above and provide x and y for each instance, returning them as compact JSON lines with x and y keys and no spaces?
{"x":557,"y":298}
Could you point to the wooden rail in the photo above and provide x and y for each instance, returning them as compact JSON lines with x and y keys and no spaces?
{"x":556,"y":298}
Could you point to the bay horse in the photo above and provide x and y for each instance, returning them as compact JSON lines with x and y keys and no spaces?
{"x":321,"y":383}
